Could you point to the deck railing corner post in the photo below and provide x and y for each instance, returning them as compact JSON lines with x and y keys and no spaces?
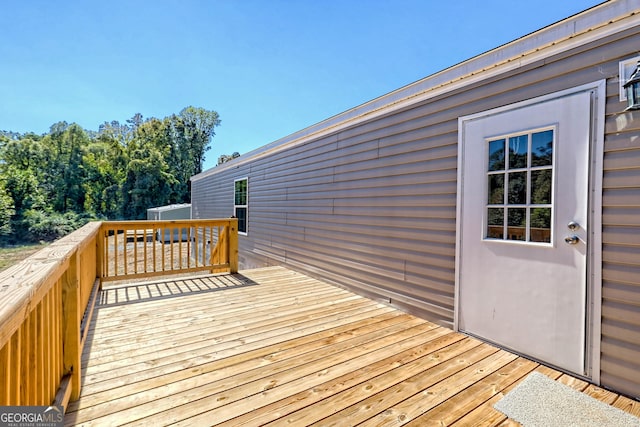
{"x":233,"y":245}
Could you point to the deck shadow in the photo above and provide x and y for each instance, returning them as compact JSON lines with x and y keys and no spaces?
{"x":154,"y":291}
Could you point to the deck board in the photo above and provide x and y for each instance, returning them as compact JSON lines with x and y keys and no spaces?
{"x":274,"y":347}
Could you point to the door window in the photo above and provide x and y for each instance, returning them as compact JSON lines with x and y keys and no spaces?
{"x":519,"y":203}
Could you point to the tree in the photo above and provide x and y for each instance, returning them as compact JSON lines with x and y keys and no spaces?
{"x":64,"y":149}
{"x":57,"y":129}
{"x":23,"y":153}
{"x":22,"y":186}
{"x":224,"y":158}
{"x":135,"y":121}
{"x":190,"y":134}
{"x":104,"y":164}
{"x":6,"y":211}
{"x":115,"y":131}
{"x":22,"y":171}
{"x":149,"y":179}
{"x":50,"y":184}
{"x":20,"y":190}
{"x":199,"y":128}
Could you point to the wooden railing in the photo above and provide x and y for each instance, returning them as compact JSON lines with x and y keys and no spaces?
{"x":136,"y":249}
{"x":47,"y":300}
{"x":42,"y":301}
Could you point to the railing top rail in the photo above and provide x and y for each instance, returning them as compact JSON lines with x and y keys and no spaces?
{"x":166,"y":222}
{"x":24,"y":284}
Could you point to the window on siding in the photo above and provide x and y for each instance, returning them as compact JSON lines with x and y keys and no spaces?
{"x":241,"y":204}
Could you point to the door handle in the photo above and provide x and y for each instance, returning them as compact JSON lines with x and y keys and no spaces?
{"x":572,"y":240}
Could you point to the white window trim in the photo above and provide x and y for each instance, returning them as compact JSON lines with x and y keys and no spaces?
{"x":246,"y":206}
{"x":528,"y":205}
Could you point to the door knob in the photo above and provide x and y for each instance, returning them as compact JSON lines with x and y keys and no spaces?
{"x":572,"y":240}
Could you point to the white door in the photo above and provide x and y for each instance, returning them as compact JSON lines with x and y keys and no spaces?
{"x":523,"y":234}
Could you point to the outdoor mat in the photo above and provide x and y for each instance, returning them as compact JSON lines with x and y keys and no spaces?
{"x":539,"y":401}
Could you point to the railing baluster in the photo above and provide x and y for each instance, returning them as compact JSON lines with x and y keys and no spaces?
{"x":33,"y":359}
{"x":116,"y":250}
{"x":125,"y":252}
{"x":179,"y":231}
{"x":193,"y":250}
{"x":104,"y":252}
{"x":16,"y":362}
{"x":39,"y":354}
{"x":57,"y":306}
{"x":146,"y":255}
{"x":222,"y":242}
{"x":5,"y":372}
{"x":135,"y":251}
{"x":206,"y":259}
{"x":155,"y":251}
{"x":214,"y":246}
{"x":172,"y":249}
{"x":164,"y":248}
{"x":56,"y":339}
{"x":201,"y":236}
{"x":25,"y":372}
{"x":189,"y":247}
{"x":50,"y":382}
{"x":224,"y":246}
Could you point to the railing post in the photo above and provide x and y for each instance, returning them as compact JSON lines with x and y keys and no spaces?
{"x":100,"y":253}
{"x":232,"y":238}
{"x":71,"y":318}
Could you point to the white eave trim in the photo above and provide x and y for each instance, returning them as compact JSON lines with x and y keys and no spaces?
{"x":593,"y":24}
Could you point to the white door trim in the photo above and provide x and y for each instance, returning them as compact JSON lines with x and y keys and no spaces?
{"x":594,"y":256}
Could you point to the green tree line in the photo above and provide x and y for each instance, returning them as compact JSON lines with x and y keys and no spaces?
{"x":53,"y":183}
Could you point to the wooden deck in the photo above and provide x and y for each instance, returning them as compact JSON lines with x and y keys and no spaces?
{"x":271,"y":346}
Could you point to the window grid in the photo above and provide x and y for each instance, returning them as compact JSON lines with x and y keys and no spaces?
{"x":520,"y":187}
{"x":241,"y":204}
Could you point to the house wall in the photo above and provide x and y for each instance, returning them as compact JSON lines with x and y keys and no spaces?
{"x":372,"y":207}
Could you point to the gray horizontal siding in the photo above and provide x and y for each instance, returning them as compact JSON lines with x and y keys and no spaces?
{"x":372,"y":207}
{"x":620,"y":360}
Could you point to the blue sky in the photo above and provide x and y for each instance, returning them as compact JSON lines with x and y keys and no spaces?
{"x":269,"y":67}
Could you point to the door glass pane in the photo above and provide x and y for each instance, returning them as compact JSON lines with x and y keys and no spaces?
{"x":496,"y":155}
{"x":517,"y":188}
{"x":495,"y":223}
{"x":541,"y":225}
{"x":518,"y":148}
{"x":541,"y":187}
{"x":517,"y":224}
{"x":496,"y":189}
{"x":523,"y":182}
{"x":542,"y":148}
